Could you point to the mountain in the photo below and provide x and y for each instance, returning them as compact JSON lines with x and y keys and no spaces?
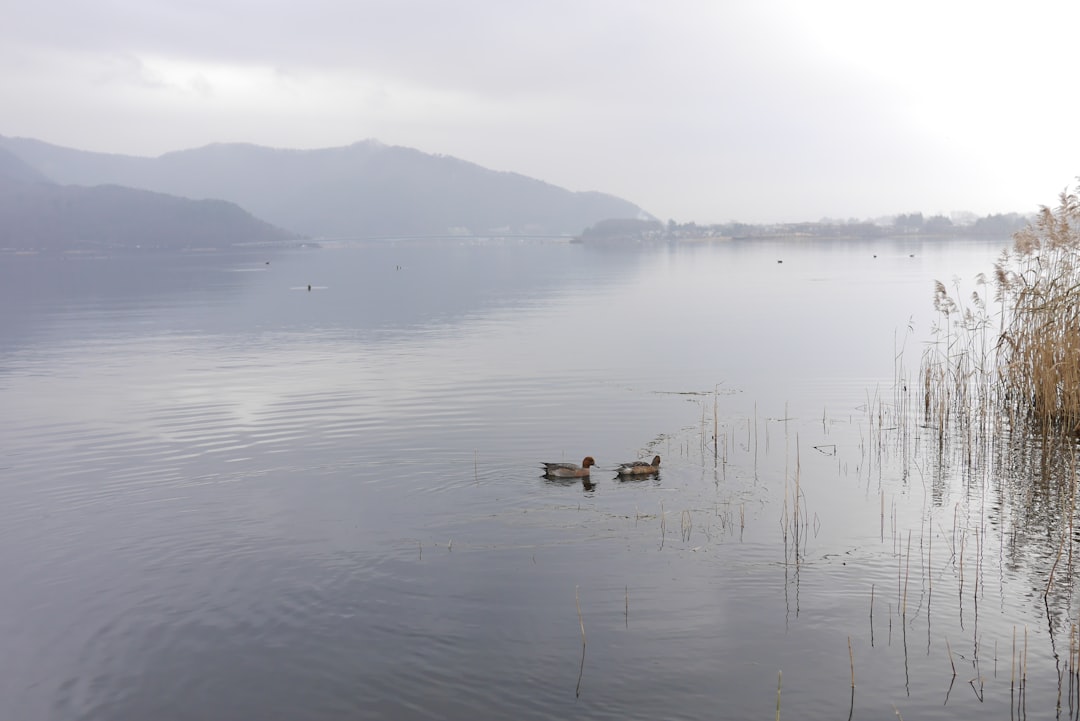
{"x":361,"y":190}
{"x":13,"y":169}
{"x":40,"y":215}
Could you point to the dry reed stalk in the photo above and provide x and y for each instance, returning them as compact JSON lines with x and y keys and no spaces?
{"x":896,"y":538}
{"x":798,"y":495}
{"x":899,"y":574}
{"x":715,"y":421}
{"x":784,"y":510}
{"x":851,"y":658}
{"x":1074,"y":662}
{"x":961,"y":591}
{"x":581,"y":620}
{"x":1012,"y":663}
{"x":1023,"y":674}
{"x":756,"y":435}
{"x":871,"y":615}
{"x":1068,"y":670}
{"x":948,"y":648}
{"x":956,"y":511}
{"x":1072,"y":646}
{"x":907,"y":573}
{"x":1072,"y":504}
{"x":929,"y":568}
{"x":702,"y":429}
{"x":779,"y":679}
{"x":1057,"y":558}
{"x":978,"y":563}
{"x":663,"y":524}
{"x":883,"y":515}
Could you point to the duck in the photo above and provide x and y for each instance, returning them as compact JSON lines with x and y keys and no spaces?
{"x":569,"y":470}
{"x":639,"y":468}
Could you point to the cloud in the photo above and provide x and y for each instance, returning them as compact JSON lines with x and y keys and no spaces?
{"x":695,"y":110}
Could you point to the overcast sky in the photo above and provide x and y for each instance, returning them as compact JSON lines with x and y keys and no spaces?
{"x":771,"y":110}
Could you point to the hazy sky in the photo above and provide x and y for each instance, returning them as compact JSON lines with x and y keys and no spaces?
{"x":696,"y":110}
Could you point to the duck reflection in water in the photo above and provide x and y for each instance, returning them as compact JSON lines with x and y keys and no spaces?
{"x":585,"y":482}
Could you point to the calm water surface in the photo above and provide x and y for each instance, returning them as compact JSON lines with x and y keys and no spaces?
{"x":225,"y":496}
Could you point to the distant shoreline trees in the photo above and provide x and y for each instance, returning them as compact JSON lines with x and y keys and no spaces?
{"x":911,"y":224}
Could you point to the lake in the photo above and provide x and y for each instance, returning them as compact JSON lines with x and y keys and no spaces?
{"x":228,"y":496}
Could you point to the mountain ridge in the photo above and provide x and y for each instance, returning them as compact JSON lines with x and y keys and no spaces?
{"x":37,"y":214}
{"x":364,"y":189}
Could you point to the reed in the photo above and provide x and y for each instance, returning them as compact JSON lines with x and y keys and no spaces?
{"x":779,"y":680}
{"x":851,"y":659}
{"x":1041,"y":342}
{"x":686,"y":525}
{"x":581,"y":620}
{"x":798,"y":494}
{"x":756,"y":435}
{"x":929,"y":572}
{"x":1074,"y":657}
{"x":960,"y":584}
{"x":1023,"y":673}
{"x":1012,"y":665}
{"x":871,"y":615}
{"x":907,"y":574}
{"x":663,"y":524}
{"x":1021,"y":360}
{"x":715,"y":422}
{"x":702,"y":449}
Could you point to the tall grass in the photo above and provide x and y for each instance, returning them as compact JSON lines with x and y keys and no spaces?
{"x":1040,"y":345}
{"x":1013,"y":362}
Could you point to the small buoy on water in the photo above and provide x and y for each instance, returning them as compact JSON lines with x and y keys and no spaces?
{"x":309,"y":286}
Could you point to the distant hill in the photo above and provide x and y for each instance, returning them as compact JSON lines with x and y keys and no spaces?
{"x":365,"y":189}
{"x":13,"y":169}
{"x":39,"y":215}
